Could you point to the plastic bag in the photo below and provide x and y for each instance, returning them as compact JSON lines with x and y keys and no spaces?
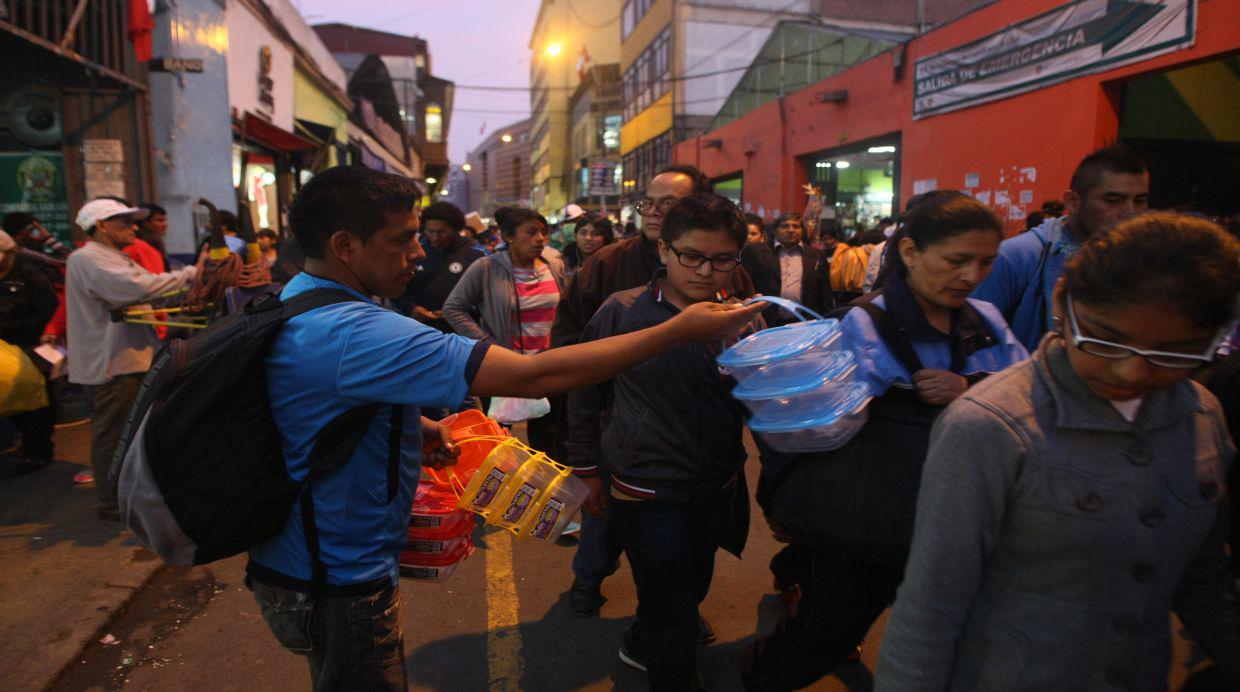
{"x":510,"y":410}
{"x":22,"y":387}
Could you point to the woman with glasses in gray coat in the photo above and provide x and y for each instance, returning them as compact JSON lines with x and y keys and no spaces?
{"x":1070,"y":503}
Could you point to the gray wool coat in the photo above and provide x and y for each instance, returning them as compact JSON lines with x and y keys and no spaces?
{"x":488,"y":288}
{"x":1053,"y":538}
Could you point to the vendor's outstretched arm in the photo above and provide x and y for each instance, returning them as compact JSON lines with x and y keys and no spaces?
{"x":505,"y":373}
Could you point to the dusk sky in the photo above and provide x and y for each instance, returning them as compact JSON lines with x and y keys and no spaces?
{"x":472,"y":42}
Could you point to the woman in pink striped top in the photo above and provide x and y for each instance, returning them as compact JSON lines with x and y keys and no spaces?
{"x":510,"y":298}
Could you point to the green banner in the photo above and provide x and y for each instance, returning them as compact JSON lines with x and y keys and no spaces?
{"x":35,"y":182}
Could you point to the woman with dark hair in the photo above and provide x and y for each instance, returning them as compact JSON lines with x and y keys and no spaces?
{"x":1071,"y":503}
{"x":514,"y":293}
{"x":591,"y":232}
{"x":919,"y":342}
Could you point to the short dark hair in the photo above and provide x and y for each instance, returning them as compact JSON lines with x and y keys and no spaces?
{"x":153,"y":208}
{"x":1034,"y":220}
{"x":1182,"y":262}
{"x":601,"y":224}
{"x":790,"y":216}
{"x":347,"y":198}
{"x":266,"y":233}
{"x":17,"y":221}
{"x":1053,"y":207}
{"x":229,"y":221}
{"x":755,"y":220}
{"x":1116,"y":158}
{"x":704,"y":212}
{"x":701,"y":184}
{"x":510,"y":218}
{"x":446,"y":212}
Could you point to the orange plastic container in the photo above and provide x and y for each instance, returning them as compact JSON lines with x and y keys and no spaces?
{"x":477,"y":436}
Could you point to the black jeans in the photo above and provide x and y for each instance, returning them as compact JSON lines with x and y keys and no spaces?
{"x":36,"y":428}
{"x":840,"y":600}
{"x":598,"y":546}
{"x":671,"y":549}
{"x":351,"y":642}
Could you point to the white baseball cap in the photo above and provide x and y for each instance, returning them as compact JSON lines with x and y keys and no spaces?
{"x":97,"y":210}
{"x":572,"y":211}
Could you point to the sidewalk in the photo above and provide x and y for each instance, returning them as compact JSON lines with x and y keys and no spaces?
{"x":64,"y":573}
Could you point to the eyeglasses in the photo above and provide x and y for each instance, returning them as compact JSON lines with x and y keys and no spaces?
{"x":647,"y":205}
{"x":1165,"y":359}
{"x":692,"y":260}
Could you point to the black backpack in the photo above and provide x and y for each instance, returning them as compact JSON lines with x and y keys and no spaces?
{"x":199,"y":467}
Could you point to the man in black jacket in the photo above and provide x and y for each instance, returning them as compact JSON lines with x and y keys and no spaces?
{"x":668,"y":436}
{"x":27,"y":302}
{"x":630,"y":263}
{"x":758,"y":258}
{"x":805,"y":275}
{"x":448,"y":256}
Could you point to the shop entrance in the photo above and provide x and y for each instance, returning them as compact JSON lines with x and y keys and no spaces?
{"x":860,"y":184}
{"x":1185,"y":126}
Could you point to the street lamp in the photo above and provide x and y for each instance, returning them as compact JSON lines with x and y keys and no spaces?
{"x":466,"y":167}
{"x":506,"y":138}
{"x":432,"y":181}
{"x":554,"y":49}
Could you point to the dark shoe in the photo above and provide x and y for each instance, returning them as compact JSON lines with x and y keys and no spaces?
{"x":631,"y":650}
{"x":854,"y":657}
{"x":25,"y":466}
{"x":706,"y":633}
{"x":585,"y":599}
{"x":112,"y":513}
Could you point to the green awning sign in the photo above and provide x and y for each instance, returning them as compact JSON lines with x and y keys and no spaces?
{"x":1078,"y":38}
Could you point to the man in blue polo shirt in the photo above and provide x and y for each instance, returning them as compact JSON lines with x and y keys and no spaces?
{"x":358,"y":230}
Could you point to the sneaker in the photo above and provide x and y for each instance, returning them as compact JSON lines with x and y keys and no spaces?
{"x":585,"y":599}
{"x":631,"y":650}
{"x":573,"y":529}
{"x":706,"y":633}
{"x":84,"y":477}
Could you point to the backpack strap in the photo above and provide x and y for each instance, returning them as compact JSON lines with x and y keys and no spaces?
{"x":1035,"y":285}
{"x":892,"y":334}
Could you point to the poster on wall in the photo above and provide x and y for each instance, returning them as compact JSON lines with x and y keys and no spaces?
{"x":1078,"y":38}
{"x":35,"y":182}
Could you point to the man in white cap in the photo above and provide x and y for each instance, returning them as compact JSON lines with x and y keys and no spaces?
{"x":110,"y":357}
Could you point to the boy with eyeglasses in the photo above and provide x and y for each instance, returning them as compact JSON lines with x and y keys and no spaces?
{"x":669,"y":436}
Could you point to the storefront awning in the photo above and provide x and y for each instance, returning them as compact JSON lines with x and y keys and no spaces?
{"x":259,"y":130}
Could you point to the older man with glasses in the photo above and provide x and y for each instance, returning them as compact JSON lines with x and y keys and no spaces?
{"x":110,"y":357}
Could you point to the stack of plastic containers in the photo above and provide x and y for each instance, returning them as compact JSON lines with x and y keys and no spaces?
{"x":440,"y":535}
{"x":799,"y":382}
{"x":522,"y":490}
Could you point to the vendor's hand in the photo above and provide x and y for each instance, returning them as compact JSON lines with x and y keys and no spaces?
{"x":438,"y":448}
{"x":939,"y":387}
{"x":714,"y":321}
{"x":596,"y":501}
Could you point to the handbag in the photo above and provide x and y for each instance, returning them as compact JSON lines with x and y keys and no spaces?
{"x":22,"y":386}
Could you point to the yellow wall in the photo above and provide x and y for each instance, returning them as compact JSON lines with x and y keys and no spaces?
{"x":648,"y":124}
{"x":311,"y":103}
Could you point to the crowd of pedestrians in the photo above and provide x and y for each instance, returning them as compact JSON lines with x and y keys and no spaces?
{"x":1040,"y":483}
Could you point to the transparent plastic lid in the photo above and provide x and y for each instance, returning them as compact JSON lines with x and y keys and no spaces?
{"x":835,"y":367}
{"x":779,"y":343}
{"x":812,"y":415}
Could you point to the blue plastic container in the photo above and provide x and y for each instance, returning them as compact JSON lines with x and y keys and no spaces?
{"x":791,"y":352}
{"x":770,"y":396}
{"x":804,"y":427}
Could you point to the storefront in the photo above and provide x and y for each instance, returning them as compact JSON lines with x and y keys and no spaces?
{"x":856,"y":185}
{"x":1002,"y":104}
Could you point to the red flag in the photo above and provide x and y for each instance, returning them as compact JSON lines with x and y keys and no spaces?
{"x":140,"y":27}
{"x":483,"y":129}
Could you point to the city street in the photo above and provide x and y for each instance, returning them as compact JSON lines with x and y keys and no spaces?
{"x":501,"y":622}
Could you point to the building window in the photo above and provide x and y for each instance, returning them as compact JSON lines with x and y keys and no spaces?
{"x":632,"y":15}
{"x":647,"y":78}
{"x":609,"y":135}
{"x":641,"y":163}
{"x":434,"y":123}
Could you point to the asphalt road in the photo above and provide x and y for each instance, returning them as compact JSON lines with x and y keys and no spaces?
{"x":501,"y":622}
